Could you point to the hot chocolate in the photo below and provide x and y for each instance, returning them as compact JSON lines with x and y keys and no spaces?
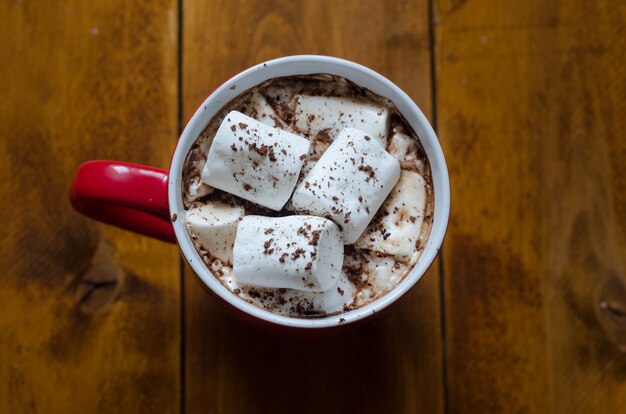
{"x":371,"y":191}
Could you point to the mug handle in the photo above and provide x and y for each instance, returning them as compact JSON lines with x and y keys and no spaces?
{"x":132,"y":197}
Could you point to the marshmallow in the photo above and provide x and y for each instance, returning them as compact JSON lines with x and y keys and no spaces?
{"x":292,"y":301}
{"x":198,"y":189}
{"x":259,"y":109}
{"x":308,"y":165}
{"x":254,"y":161}
{"x":195,"y":164}
{"x":335,"y":299}
{"x":405,"y":150}
{"x":306,"y":168}
{"x":397,"y":227}
{"x":213,"y":226}
{"x":280,"y":93}
{"x":314,"y":114}
{"x":384,"y":272}
{"x":348,"y":183}
{"x":295,"y":252}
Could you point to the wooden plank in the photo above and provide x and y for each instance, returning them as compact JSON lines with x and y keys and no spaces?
{"x":531,"y":114}
{"x":390,"y":365}
{"x":84,"y":80}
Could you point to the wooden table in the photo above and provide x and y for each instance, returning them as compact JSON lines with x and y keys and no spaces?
{"x":525,"y":310}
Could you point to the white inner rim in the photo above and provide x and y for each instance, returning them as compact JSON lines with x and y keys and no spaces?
{"x":303,"y":65}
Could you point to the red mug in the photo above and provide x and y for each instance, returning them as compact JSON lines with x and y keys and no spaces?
{"x":148,"y":200}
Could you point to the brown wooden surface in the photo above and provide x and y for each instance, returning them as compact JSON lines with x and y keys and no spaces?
{"x":391,"y":365}
{"x":531,"y":116}
{"x":530,"y":110}
{"x":84,"y":80}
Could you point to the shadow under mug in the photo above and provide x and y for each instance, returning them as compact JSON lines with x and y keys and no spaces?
{"x":149,"y":201}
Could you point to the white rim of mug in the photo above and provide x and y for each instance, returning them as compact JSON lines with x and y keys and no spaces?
{"x":303,"y":65}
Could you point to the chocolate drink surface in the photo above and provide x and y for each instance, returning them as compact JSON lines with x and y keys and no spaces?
{"x":319,"y":107}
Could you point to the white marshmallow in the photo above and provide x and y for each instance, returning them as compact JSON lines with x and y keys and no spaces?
{"x":333,"y":300}
{"x":262,"y":111}
{"x":348,"y":183}
{"x":308,"y":165}
{"x":198,"y":189}
{"x":214,"y":226}
{"x":296,"y":252}
{"x":384,"y":272}
{"x":254,"y":161}
{"x":397,"y":227}
{"x":306,"y":168}
{"x":281,"y":93}
{"x":286,"y":301}
{"x":405,"y":150}
{"x":314,"y":114}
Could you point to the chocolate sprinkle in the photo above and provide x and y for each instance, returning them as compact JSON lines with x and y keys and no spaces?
{"x":297,"y":253}
{"x":315,"y":237}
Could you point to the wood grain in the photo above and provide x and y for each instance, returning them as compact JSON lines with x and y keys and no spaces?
{"x":531,"y":115}
{"x":90,"y":315}
{"x":394,"y":363}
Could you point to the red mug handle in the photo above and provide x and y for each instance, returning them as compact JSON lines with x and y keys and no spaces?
{"x":129,"y":196}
